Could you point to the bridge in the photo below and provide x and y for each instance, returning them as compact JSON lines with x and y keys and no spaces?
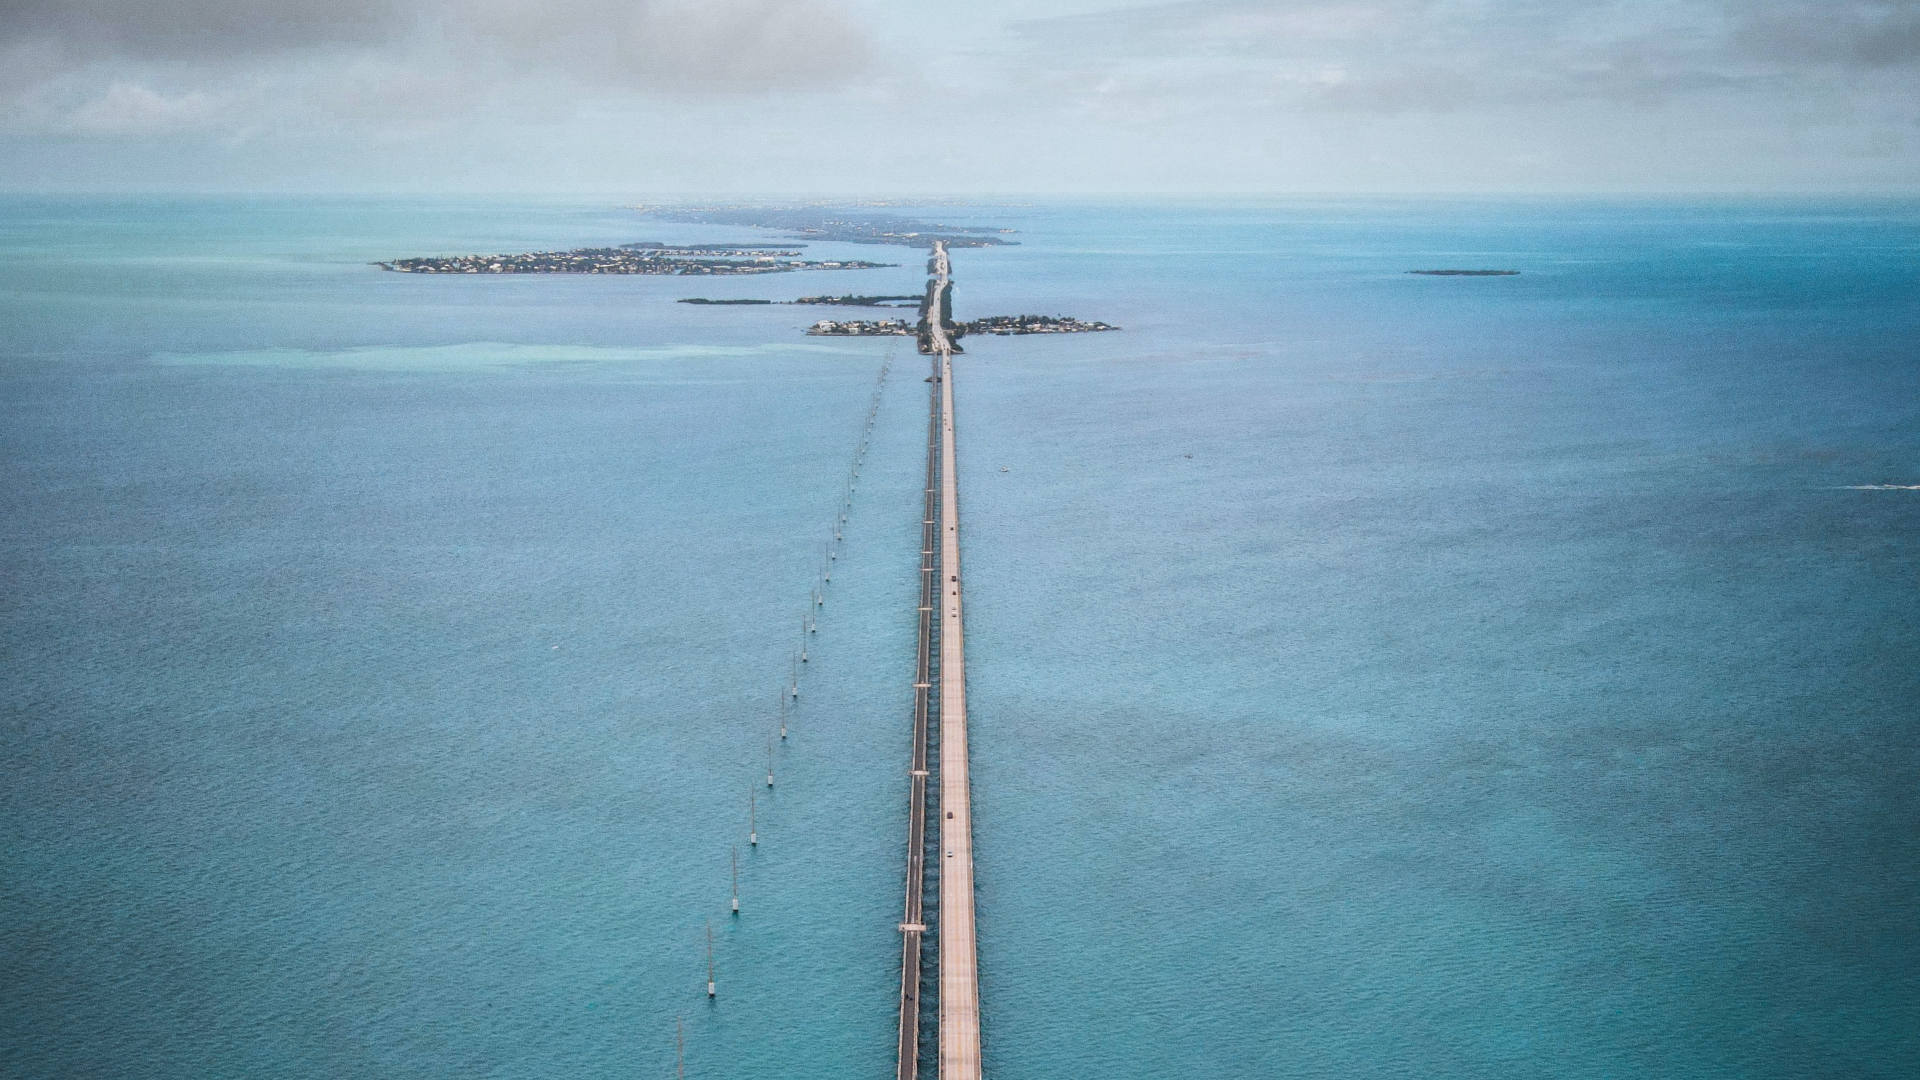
{"x":940,"y":592}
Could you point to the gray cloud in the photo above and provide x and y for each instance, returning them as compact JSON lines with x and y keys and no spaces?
{"x":1431,"y":55}
{"x":696,"y":46}
{"x":107,"y":67}
{"x":1865,"y":34}
{"x":197,"y":29}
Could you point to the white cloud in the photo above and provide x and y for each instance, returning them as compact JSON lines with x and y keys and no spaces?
{"x":131,"y":109}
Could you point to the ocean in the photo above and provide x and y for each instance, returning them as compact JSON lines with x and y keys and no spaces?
{"x":1370,"y":674}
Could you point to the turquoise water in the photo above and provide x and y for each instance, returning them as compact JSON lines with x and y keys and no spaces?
{"x":1371,"y":675}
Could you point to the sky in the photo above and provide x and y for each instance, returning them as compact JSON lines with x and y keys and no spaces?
{"x":900,"y":97}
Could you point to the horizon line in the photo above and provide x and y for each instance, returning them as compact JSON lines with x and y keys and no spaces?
{"x":909,"y":197}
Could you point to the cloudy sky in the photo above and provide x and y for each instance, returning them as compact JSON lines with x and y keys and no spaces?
{"x":991,"y":96}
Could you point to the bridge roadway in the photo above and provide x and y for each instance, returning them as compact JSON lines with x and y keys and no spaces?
{"x":913,"y":924}
{"x":959,"y":958}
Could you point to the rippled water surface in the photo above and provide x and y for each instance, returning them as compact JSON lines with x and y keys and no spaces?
{"x":1371,"y":674}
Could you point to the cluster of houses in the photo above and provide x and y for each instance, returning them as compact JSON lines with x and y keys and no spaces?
{"x":862,"y":328}
{"x":617,"y":261}
{"x":992,"y":324}
{"x":717,"y":251}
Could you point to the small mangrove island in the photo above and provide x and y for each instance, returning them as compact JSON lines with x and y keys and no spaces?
{"x":711,"y":261}
{"x":1033,"y":324}
{"x":860,"y":301}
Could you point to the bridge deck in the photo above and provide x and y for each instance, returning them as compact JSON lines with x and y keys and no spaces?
{"x":959,"y":959}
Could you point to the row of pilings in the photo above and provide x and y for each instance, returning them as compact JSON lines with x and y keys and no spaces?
{"x":784,"y":727}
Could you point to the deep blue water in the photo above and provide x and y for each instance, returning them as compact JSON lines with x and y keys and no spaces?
{"x":1370,"y":674}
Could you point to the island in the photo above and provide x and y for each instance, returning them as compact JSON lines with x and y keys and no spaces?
{"x":1032,"y":324}
{"x":622,"y":260}
{"x":829,"y":301}
{"x":813,"y":221}
{"x":860,"y":301}
{"x":1466,"y":273}
{"x":863,"y":328}
{"x":993,"y":324}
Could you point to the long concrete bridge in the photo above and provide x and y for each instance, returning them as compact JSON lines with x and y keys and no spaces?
{"x":959,"y":983}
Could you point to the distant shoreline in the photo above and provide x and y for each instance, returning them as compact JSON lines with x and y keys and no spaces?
{"x":819,"y":301}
